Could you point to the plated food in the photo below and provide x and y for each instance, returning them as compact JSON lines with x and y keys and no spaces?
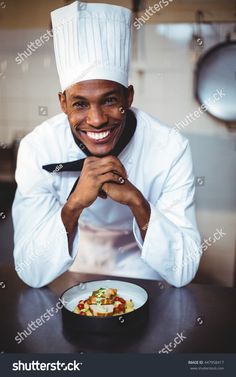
{"x":104,"y":302}
{"x":103,"y":307}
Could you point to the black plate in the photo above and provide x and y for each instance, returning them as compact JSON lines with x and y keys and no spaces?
{"x":104,"y":325}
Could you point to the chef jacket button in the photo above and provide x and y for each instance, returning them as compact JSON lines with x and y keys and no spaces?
{"x":82,"y":146}
{"x":130,"y":161}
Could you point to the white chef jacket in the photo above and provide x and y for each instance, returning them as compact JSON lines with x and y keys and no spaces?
{"x":107,"y":239}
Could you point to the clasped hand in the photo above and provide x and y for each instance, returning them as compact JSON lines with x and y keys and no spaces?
{"x":102,"y":177}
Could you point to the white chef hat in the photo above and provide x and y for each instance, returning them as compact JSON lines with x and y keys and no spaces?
{"x":92,"y":41}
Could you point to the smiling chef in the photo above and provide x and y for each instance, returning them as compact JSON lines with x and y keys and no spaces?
{"x":102,"y":187}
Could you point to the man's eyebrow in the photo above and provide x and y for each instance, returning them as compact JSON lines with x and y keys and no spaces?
{"x":115,"y":91}
{"x":76,"y":97}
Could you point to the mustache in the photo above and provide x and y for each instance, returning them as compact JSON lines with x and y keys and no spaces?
{"x":99,"y":129}
{"x":120,"y":109}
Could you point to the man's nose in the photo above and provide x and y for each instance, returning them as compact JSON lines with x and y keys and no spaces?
{"x":96,"y":117}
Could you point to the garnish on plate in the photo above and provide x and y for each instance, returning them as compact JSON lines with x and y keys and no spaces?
{"x":104,"y":302}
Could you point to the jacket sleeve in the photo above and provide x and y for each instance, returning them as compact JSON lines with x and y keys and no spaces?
{"x":172,"y":242}
{"x":41,"y":250}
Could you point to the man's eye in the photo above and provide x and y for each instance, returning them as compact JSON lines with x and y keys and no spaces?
{"x":110,"y":100}
{"x":80,"y":105}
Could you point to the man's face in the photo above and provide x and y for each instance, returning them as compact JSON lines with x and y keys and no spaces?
{"x":94,"y":112}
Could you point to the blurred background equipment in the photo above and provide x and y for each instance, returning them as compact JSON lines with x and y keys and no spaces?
{"x":217,"y":68}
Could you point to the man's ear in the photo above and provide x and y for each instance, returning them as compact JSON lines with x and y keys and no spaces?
{"x":130,"y":95}
{"x":62,"y":100}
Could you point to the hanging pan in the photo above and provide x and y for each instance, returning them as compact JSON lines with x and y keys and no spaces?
{"x":215,"y":81}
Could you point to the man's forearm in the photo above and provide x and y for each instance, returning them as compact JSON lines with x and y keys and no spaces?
{"x":141,"y":211}
{"x":70,"y":214}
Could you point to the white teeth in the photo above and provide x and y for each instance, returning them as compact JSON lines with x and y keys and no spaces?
{"x":98,"y":135}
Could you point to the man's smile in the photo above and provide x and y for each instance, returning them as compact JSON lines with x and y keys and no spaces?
{"x":100,"y":136}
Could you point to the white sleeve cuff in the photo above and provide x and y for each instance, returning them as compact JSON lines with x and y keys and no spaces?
{"x":166,"y":248}
{"x":48,"y":256}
